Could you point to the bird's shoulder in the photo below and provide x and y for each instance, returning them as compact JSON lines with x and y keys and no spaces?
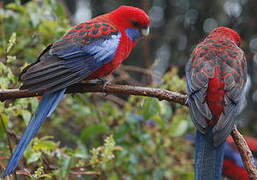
{"x":91,"y":30}
{"x":216,"y":47}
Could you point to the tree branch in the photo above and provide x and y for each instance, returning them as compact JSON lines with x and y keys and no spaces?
{"x":245,"y":153}
{"x":170,"y":96}
{"x":108,"y":88}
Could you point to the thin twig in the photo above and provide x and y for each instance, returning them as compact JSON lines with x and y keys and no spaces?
{"x":245,"y":153}
{"x":161,"y":94}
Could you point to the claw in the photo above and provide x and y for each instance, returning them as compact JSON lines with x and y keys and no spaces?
{"x":104,"y":87}
{"x":104,"y":83}
{"x":187,"y":101}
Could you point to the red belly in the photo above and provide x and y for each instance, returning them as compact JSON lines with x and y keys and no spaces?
{"x":104,"y":71}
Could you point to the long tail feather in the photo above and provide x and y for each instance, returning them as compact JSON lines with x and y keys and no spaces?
{"x":208,"y":158}
{"x":46,"y":106}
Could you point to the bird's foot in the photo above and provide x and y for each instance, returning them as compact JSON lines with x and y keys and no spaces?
{"x":104,"y":83}
{"x":187,"y":101}
{"x":104,"y":87}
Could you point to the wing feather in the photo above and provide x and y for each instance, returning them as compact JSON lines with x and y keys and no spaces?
{"x":70,"y":60}
{"x":235,"y":94}
{"x":197,"y":85}
{"x":234,"y":71}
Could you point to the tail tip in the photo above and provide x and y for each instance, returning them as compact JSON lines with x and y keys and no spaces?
{"x":7,"y":172}
{"x":4,"y":175}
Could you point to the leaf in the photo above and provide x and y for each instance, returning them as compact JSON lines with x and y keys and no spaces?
{"x":15,"y":7}
{"x":47,"y":26}
{"x":32,"y":156}
{"x":26,"y":115}
{"x":11,"y":59}
{"x":103,"y":154}
{"x":66,"y":166}
{"x":165,"y":110}
{"x":151,"y":107}
{"x":11,"y":42}
{"x":79,"y":153}
{"x":3,"y":119}
{"x":44,"y":145}
{"x":178,"y":126}
{"x":93,"y":130}
{"x":4,"y":83}
{"x":59,"y":10}
{"x":109,"y":145}
{"x":159,"y":120}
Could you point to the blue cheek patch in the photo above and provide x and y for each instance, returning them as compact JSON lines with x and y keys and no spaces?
{"x":133,"y":34}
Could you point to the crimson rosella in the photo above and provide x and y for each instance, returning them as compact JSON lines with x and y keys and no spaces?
{"x":89,"y":50}
{"x":216,"y":76}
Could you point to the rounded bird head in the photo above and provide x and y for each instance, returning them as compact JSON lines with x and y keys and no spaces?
{"x":224,"y":33}
{"x":126,"y":17}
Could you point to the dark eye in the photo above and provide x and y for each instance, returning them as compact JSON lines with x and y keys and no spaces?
{"x":135,"y":23}
{"x":238,"y":43}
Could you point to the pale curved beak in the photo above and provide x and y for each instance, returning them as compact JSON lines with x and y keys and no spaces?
{"x":145,"y":31}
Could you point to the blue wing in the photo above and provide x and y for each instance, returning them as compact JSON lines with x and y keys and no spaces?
{"x":69,"y":61}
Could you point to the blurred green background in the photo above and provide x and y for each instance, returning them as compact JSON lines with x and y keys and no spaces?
{"x":92,"y":136}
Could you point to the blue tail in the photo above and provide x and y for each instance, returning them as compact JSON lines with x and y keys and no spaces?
{"x":208,"y":158}
{"x":46,"y":106}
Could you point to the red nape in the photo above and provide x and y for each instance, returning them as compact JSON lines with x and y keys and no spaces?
{"x":215,"y":96}
{"x":232,"y":171}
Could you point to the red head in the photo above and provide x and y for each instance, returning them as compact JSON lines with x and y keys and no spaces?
{"x":130,"y":17}
{"x":224,"y":33}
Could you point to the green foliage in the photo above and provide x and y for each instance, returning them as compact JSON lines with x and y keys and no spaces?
{"x":92,"y":137}
{"x":39,"y":173}
{"x":150,"y":108}
{"x":103,"y":154}
{"x":173,"y":82}
{"x":34,"y":152}
{"x":11,"y":42}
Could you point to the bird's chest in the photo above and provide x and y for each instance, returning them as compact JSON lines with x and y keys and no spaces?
{"x":123,"y":50}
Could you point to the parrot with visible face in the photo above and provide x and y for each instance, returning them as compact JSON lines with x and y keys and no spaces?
{"x":216,"y":75}
{"x":89,"y":50}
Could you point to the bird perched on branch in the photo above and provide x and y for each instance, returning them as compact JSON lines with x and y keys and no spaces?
{"x":89,"y":50}
{"x":216,"y":76}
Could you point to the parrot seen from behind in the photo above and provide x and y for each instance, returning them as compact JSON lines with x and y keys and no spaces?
{"x":89,"y":50}
{"x":216,"y":76}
